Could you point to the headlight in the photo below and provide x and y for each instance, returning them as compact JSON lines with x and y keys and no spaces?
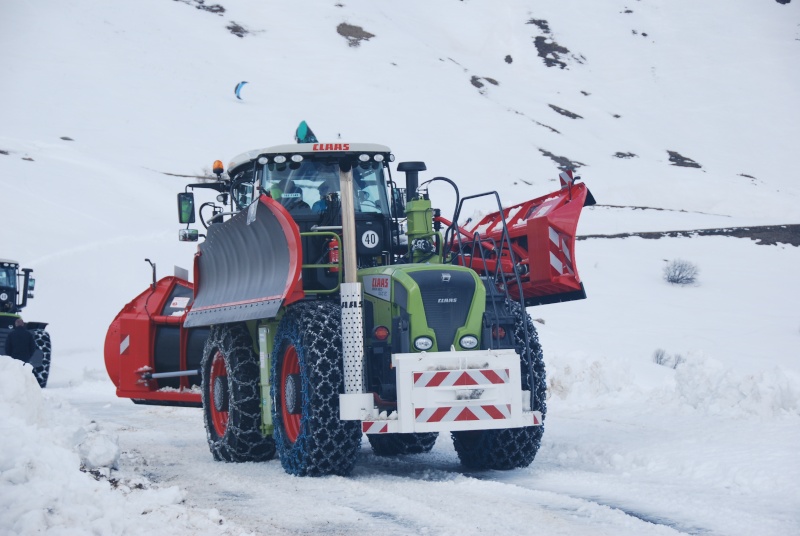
{"x":469,"y":342}
{"x":423,"y":343}
{"x":280,"y":159}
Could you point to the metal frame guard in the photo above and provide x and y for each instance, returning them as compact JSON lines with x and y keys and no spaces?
{"x":450,"y":391}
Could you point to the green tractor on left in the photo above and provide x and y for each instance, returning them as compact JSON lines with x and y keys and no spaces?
{"x":16,"y":287}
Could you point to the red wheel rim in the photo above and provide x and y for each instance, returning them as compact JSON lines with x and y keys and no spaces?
{"x":218,"y":418}
{"x":290,"y":365}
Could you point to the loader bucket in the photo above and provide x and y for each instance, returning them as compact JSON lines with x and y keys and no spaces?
{"x":530,"y":247}
{"x":248,"y":267}
{"x":149,"y":356}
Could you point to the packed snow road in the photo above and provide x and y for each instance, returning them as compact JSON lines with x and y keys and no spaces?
{"x":424,"y":494}
{"x":594,"y":475}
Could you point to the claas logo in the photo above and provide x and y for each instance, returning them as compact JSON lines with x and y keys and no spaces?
{"x":331,"y":147}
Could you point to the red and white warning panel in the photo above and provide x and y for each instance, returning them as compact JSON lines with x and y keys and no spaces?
{"x":461,"y":378}
{"x":454,"y":391}
{"x":472,"y":413}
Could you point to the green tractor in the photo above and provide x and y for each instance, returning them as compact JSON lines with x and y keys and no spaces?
{"x":334,"y":303}
{"x":16,"y":287}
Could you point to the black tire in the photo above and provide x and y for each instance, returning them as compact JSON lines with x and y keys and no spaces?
{"x":43,"y":343}
{"x":395,"y":444}
{"x":231,"y":397}
{"x":510,"y":448}
{"x":307,"y":378}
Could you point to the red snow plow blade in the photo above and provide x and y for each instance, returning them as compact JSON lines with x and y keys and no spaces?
{"x":149,"y":356}
{"x":264,"y":252}
{"x":530,"y":247}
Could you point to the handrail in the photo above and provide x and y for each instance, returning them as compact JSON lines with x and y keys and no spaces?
{"x":338,"y":264}
{"x":505,"y":239}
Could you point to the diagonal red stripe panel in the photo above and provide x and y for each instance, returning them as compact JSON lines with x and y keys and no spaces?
{"x":437,"y":379}
{"x":466,"y":379}
{"x":493,"y":412}
{"x":466,"y":415}
{"x":438,"y":415}
{"x":492,"y":376}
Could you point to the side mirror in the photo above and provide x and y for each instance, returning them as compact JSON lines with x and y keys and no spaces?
{"x":186,"y":207}
{"x":188,"y":235}
{"x":31,"y":284}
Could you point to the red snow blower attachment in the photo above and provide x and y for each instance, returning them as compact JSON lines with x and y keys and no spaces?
{"x":154,"y":346}
{"x":149,"y":356}
{"x":529,"y":248}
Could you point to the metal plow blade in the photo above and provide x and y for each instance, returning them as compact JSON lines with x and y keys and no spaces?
{"x":246,"y":270}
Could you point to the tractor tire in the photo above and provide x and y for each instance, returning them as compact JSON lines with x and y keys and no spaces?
{"x":510,"y":448}
{"x":230,"y":375}
{"x":43,"y":343}
{"x":307,"y":378}
{"x":395,"y":444}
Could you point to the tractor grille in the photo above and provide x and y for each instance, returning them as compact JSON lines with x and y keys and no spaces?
{"x":446,"y":298}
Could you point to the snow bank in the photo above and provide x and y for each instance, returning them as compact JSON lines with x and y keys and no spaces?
{"x":705,"y":384}
{"x":579,"y":381}
{"x":57,"y":475}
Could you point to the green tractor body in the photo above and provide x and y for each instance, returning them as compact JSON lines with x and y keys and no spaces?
{"x":335,"y":304}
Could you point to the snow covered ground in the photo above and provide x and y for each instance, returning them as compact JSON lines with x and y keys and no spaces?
{"x":99,"y":101}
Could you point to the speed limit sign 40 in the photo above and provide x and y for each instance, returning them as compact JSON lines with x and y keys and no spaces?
{"x":370,"y":239}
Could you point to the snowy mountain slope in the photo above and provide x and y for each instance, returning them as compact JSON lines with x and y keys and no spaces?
{"x":145,"y":88}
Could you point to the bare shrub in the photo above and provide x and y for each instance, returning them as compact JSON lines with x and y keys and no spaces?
{"x":680,"y":272}
{"x":661,"y":357}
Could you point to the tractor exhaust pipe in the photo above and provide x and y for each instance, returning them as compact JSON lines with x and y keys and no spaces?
{"x":411,"y":169}
{"x":352,"y":325}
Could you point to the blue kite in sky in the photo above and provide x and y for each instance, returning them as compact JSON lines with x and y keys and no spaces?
{"x":238,"y":89}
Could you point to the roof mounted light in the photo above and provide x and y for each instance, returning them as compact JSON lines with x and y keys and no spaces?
{"x":363,"y":157}
{"x":391,"y":157}
{"x":263,"y":160}
{"x":297,"y":158}
{"x":218,"y":168}
{"x":280,"y":159}
{"x":378,"y":158}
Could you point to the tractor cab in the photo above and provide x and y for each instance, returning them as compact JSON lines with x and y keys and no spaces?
{"x":305,"y":180}
{"x":15,"y":287}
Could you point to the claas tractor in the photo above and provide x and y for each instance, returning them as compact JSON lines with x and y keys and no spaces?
{"x":16,"y":287}
{"x":328,"y":303}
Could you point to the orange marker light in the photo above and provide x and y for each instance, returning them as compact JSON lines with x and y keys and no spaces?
{"x":381,"y":333}
{"x":218,"y":168}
